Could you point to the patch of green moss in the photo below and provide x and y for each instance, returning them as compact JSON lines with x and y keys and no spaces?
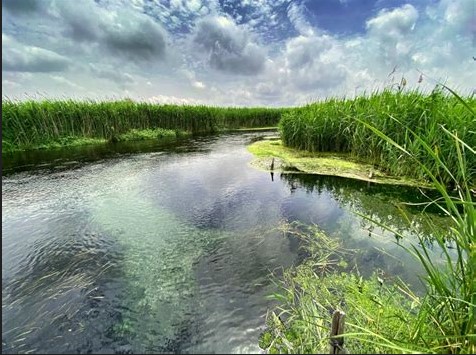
{"x":334,"y":164}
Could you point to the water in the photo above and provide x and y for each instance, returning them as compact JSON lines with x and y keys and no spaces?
{"x":167,"y":248}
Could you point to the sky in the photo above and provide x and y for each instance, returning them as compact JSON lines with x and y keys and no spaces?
{"x":234,"y":52}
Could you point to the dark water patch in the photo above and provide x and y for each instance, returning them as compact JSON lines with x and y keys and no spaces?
{"x":76,"y":156}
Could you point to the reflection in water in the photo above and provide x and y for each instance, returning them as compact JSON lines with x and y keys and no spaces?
{"x":391,"y":205}
{"x":169,"y":249}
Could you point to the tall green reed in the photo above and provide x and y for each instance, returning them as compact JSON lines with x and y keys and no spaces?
{"x":333,"y":125}
{"x":444,"y":320}
{"x":450,"y":303}
{"x":31,"y":123}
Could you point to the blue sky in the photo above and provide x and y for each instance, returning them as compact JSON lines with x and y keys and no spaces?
{"x":233,"y":52}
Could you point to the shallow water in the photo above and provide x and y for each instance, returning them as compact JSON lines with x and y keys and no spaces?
{"x":148,"y":247}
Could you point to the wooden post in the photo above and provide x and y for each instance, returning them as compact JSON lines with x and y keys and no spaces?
{"x":337,"y":328}
{"x":272,"y":165}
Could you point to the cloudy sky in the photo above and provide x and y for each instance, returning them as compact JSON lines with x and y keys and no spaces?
{"x":234,"y":52}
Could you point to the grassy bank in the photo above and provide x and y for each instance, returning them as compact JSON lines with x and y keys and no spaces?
{"x":33,"y":124}
{"x":341,"y":126}
{"x":389,"y":318}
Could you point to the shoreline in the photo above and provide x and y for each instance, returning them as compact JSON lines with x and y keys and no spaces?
{"x":290,"y":160}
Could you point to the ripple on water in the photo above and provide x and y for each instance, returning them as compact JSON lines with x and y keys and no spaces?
{"x":159,"y":252}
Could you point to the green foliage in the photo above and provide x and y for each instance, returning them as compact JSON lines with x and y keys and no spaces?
{"x":335,"y":125}
{"x":29,"y":124}
{"x":390,"y":319}
{"x":158,"y":133}
{"x":313,"y":290}
{"x":451,"y":287}
{"x":381,"y":316}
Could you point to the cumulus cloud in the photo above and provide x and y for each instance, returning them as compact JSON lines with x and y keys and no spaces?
{"x":229,"y":46}
{"x":135,"y":36}
{"x":304,"y":51}
{"x":312,"y":63}
{"x":123,"y":32}
{"x":83,"y":19}
{"x":393,"y":23}
{"x":390,"y":34}
{"x":24,"y":58}
{"x":273,"y":52}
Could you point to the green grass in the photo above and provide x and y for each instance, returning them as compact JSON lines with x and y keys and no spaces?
{"x":149,"y":134}
{"x":334,"y":126}
{"x":34,"y":124}
{"x":392,"y":319}
{"x":311,"y":291}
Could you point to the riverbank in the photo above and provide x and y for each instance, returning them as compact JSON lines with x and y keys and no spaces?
{"x":51,"y":124}
{"x":333,"y":164}
{"x":386,"y":317}
{"x":158,"y":134}
{"x":411,"y":119}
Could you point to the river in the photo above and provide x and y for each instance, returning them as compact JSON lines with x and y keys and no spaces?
{"x":148,"y":247}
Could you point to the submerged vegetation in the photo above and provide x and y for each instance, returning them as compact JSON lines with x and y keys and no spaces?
{"x":390,"y":318}
{"x":313,"y":290}
{"x":33,"y":124}
{"x":336,"y":126}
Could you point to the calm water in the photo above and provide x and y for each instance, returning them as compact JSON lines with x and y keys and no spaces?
{"x":167,"y":248}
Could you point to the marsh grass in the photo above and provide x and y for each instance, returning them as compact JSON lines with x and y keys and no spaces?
{"x":390,"y":318}
{"x":334,"y":126}
{"x":31,"y":124}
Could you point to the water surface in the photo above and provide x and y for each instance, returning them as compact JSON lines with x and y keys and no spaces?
{"x":148,"y":247}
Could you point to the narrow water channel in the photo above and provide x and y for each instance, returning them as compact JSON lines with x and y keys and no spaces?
{"x":144,"y":247}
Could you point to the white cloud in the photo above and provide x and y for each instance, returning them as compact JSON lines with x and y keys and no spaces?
{"x":122,"y":31}
{"x":167,"y":99}
{"x":298,"y":19}
{"x":393,"y":23}
{"x":198,"y":85}
{"x":205,"y":56}
{"x":23,"y":58}
{"x":135,"y":36}
{"x":228,"y":46}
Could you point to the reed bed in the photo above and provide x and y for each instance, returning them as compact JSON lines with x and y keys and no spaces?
{"x":390,"y":318}
{"x":31,"y":124}
{"x":335,"y":125}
